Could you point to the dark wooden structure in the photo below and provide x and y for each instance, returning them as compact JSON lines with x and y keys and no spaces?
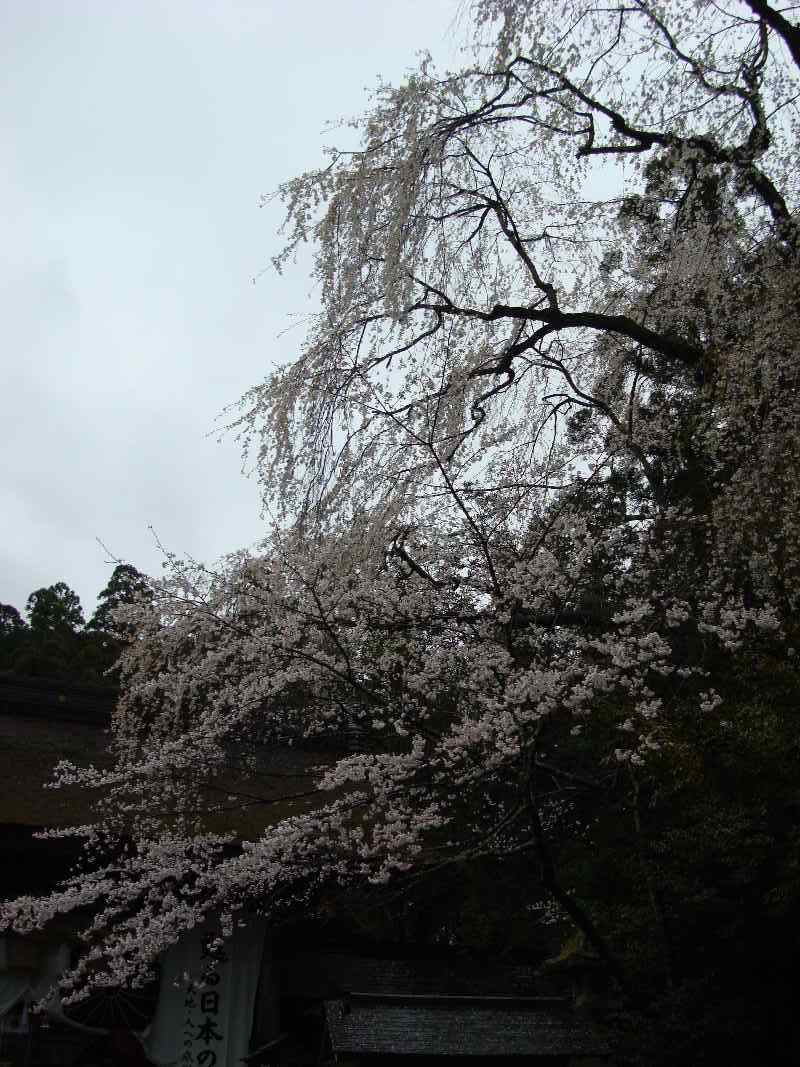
{"x":369,"y":1028}
{"x":448,"y":1009}
{"x":312,"y":1007}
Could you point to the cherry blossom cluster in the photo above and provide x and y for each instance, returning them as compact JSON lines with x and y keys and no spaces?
{"x":533,"y":479}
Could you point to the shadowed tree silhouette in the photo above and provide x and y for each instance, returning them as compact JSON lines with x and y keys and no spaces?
{"x":54,"y":608}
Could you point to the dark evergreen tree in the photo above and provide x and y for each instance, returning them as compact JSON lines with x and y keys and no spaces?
{"x":54,"y":609}
{"x":11,"y":622}
{"x":125,"y":584}
{"x":13,"y":634}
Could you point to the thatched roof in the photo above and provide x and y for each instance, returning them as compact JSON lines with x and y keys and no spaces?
{"x":329,"y":976}
{"x":43,"y":721}
{"x":56,"y":700}
{"x":459,"y":1026}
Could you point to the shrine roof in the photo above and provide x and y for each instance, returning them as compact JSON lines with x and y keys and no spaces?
{"x":459,"y":1026}
{"x":314,"y":975}
{"x":44,"y":720}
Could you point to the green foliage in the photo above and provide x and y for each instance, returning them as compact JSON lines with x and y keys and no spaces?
{"x":11,"y":622}
{"x":54,"y":609}
{"x":14,"y":634}
{"x":692,"y":870}
{"x":125,"y":584}
{"x":56,"y":644}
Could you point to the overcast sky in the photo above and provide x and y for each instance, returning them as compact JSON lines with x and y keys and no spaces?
{"x":138,"y":137}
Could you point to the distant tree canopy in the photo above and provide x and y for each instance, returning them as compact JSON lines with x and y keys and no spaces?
{"x":125,"y":584}
{"x":56,"y":642}
{"x":54,"y":609}
{"x":11,"y":622}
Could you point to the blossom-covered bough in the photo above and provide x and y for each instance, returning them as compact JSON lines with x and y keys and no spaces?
{"x":533,"y":477}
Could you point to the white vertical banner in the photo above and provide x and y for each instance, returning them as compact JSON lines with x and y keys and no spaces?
{"x":207,"y":1024}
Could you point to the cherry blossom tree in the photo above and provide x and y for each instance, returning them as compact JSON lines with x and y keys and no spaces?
{"x":533,"y":479}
